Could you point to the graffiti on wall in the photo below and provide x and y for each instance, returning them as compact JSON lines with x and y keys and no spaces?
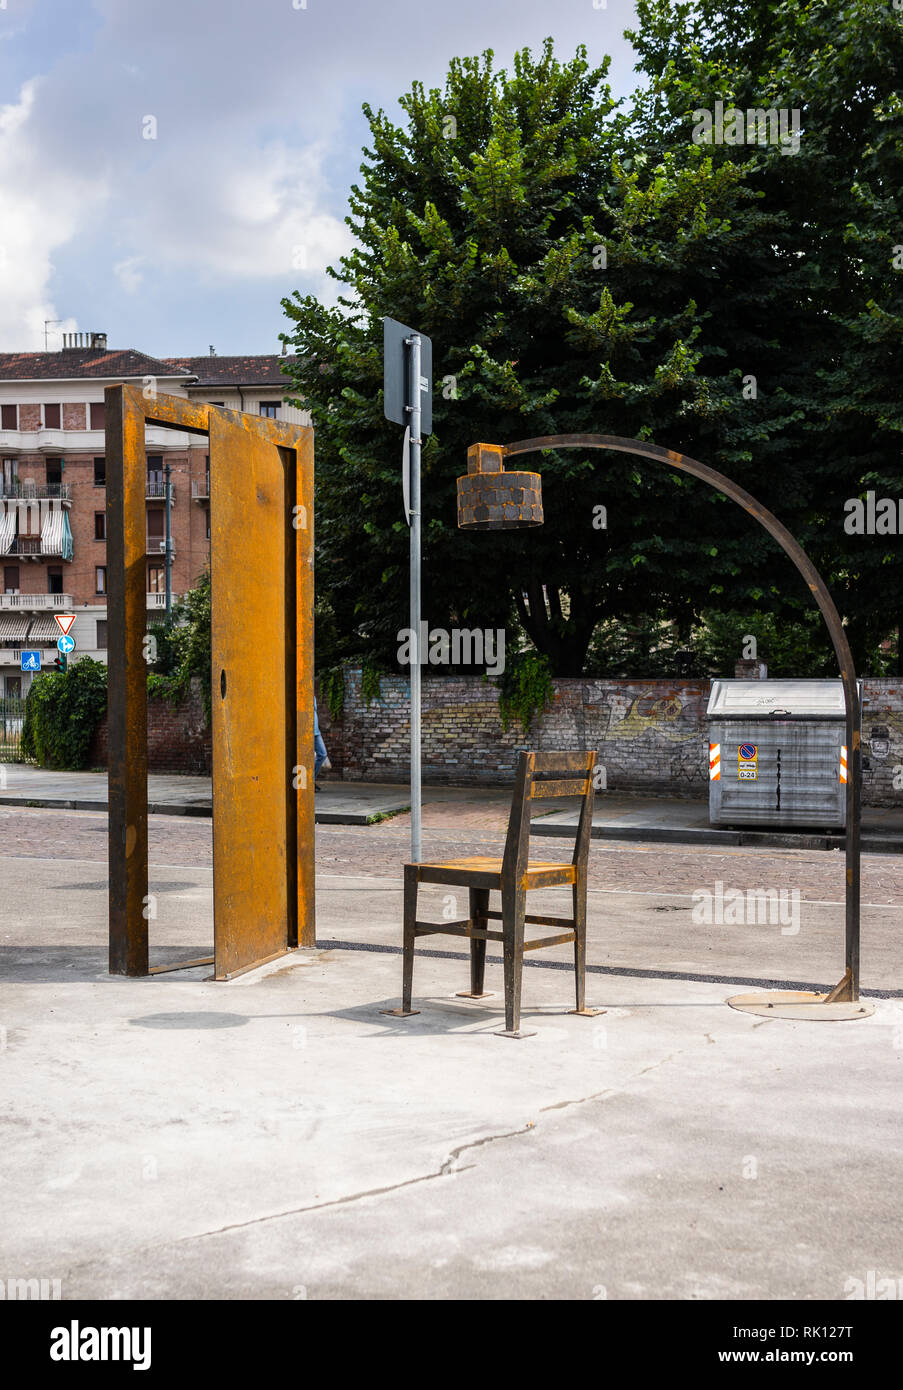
{"x":647,"y":714}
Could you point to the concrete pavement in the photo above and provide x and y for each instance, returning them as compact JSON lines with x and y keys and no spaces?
{"x":346,"y":803}
{"x":279,"y":1137}
{"x":618,"y":816}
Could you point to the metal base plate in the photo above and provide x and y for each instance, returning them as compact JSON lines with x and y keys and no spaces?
{"x":518,"y":1033}
{"x":800,"y":1003}
{"x":400,"y":1013}
{"x":466,"y":994}
{"x":587,"y":1013}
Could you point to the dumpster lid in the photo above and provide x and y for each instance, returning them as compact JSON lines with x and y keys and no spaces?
{"x":798,"y":699}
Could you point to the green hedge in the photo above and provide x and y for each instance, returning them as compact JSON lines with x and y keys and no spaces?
{"x":62,"y":712}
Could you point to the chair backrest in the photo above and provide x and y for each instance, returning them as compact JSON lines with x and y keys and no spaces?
{"x":542,"y":775}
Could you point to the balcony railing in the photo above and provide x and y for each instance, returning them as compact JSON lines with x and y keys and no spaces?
{"x":157,"y":489}
{"x":35,"y":491}
{"x":200,"y":489}
{"x":37,"y":548}
{"x":54,"y":602}
{"x":158,"y":600}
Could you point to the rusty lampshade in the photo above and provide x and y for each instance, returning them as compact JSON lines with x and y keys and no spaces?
{"x":489,"y":499}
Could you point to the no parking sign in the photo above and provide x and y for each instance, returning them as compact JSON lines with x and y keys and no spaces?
{"x":747,"y":762}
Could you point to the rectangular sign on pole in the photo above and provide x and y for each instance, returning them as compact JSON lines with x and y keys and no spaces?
{"x":395,"y":375}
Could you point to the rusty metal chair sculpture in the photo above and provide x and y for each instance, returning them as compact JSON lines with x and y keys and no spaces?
{"x":539,"y":775}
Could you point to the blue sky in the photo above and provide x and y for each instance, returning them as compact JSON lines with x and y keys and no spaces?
{"x":191,"y":238}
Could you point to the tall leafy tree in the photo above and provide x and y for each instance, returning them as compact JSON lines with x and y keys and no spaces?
{"x":580,"y":268}
{"x":836,"y":348}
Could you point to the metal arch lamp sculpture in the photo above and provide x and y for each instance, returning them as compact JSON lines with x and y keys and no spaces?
{"x":493,"y":499}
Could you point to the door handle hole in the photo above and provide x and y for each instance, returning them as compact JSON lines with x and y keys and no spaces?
{"x":222,"y":684}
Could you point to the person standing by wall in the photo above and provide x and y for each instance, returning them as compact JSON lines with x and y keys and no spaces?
{"x":321,"y":757}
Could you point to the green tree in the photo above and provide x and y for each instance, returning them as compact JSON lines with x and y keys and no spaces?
{"x":833,"y":354}
{"x":559,"y":272}
{"x":62,"y":711}
{"x":583,"y":268}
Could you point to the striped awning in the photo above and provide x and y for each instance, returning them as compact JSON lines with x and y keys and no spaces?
{"x":44,"y":629}
{"x":13,"y":627}
{"x":7,"y":531}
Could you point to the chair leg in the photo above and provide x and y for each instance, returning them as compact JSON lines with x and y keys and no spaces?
{"x":479,"y":906}
{"x":579,"y":900}
{"x":411,"y":885}
{"x":514,"y":905}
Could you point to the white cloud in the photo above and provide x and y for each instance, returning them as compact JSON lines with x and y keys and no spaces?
{"x":40,"y":213}
{"x":129,"y":273}
{"x":261,"y":219}
{"x":258,"y":132}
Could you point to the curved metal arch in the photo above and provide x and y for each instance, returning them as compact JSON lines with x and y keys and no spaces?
{"x":848,"y":986}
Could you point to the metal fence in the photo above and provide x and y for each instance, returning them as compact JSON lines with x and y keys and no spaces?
{"x":12,"y":715}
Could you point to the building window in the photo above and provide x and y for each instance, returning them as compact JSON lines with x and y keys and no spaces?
{"x":98,"y":415}
{"x":101,"y":639}
{"x":155,"y":476}
{"x":54,"y":579}
{"x":9,"y":417}
{"x":207,"y":509}
{"x":100,"y":472}
{"x":14,"y":687}
{"x":156,"y":584}
{"x":100,"y":526}
{"x":10,"y":476}
{"x":270,"y":409}
{"x":155,"y":527}
{"x":100,"y":579}
{"x":52,"y":417}
{"x":54,"y":472}
{"x":11,"y":579}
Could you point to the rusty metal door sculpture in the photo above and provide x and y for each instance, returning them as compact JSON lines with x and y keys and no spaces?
{"x":261,"y":501}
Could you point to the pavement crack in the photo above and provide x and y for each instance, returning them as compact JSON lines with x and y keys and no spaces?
{"x":609,"y":1090}
{"x":477,"y":1144}
{"x":445,"y":1170}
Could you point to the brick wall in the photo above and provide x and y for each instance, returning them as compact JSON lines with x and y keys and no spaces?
{"x":178,"y":739}
{"x":651,"y":735}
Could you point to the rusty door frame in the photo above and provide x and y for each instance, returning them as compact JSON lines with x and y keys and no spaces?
{"x":128,"y":411}
{"x":847,"y":988}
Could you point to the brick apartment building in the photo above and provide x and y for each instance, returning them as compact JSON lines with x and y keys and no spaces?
{"x":53,"y":486}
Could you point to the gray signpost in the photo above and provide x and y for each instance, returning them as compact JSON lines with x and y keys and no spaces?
{"x":407,"y":400}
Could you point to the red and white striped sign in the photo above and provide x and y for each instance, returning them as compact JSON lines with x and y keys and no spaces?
{"x":714,"y":762}
{"x":843,"y":763}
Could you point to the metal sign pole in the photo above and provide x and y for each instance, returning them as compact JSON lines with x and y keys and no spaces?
{"x":413,"y":410}
{"x":407,"y":387}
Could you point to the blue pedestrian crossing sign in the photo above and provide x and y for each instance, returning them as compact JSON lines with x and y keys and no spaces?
{"x":31,"y":661}
{"x":65,"y":645}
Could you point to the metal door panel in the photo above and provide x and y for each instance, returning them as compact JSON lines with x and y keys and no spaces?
{"x":253,"y":659}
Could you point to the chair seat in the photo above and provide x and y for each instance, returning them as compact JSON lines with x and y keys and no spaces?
{"x":485,"y":871}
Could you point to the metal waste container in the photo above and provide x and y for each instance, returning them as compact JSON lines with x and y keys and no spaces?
{"x":777,"y":753}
